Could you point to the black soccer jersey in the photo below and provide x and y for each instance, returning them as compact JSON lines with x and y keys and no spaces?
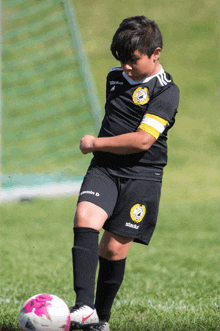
{"x":151,"y":105}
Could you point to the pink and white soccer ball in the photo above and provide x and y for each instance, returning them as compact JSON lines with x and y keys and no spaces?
{"x":44,"y":312}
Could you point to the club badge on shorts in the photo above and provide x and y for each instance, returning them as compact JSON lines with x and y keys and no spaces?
{"x":137,"y":213}
{"x":141,"y":96}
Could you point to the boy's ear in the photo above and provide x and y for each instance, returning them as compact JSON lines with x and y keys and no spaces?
{"x":157,"y":51}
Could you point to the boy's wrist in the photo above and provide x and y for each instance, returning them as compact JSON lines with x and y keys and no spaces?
{"x":96,"y":144}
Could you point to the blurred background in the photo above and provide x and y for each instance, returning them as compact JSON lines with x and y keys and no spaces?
{"x":55,"y":58}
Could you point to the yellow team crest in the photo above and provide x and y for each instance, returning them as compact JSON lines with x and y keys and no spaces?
{"x":137,"y":213}
{"x":141,"y":96}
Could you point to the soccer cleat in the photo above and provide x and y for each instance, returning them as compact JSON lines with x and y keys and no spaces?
{"x":101,"y":326}
{"x":83,"y":317}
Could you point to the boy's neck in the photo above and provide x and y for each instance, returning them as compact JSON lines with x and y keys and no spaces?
{"x":146,"y":79}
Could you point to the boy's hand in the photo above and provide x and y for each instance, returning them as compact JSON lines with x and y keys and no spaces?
{"x":87,"y":144}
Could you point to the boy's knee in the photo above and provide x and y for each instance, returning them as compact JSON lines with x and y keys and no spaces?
{"x":90,"y":216}
{"x":110,"y":252}
{"x":80,"y":215}
{"x":112,"y":248}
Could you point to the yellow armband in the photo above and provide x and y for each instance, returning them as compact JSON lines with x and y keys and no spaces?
{"x":154,"y":125}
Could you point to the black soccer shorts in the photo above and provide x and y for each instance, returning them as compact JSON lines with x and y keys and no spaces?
{"x":131,"y":204}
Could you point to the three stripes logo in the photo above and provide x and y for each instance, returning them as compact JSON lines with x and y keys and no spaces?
{"x":163,"y":79}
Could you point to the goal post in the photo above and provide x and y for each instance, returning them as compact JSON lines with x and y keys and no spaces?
{"x":49,"y":99}
{"x":78,"y":44}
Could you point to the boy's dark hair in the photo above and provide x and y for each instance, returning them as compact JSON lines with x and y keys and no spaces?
{"x":135,"y":33}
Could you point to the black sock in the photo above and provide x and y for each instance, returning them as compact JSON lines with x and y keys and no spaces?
{"x":110,"y":277}
{"x":85,"y":259}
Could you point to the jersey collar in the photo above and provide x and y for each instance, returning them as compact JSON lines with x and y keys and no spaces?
{"x":145,"y":80}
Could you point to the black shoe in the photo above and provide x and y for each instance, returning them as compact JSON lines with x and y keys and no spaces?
{"x":101,"y":326}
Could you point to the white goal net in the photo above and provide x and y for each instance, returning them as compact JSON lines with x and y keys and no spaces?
{"x":48,"y":99}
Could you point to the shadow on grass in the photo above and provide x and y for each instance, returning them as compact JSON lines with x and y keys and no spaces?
{"x":8,"y":327}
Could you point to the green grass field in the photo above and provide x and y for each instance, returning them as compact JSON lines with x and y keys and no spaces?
{"x":169,"y":285}
{"x":173,"y":283}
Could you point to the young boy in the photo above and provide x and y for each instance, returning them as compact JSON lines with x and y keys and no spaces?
{"x":121,"y":189}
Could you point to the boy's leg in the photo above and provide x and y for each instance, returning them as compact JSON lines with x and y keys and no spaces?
{"x":112,"y":254}
{"x":97,"y":199}
{"x":90,"y":215}
{"x":135,"y":217}
{"x":88,"y":221}
{"x":85,"y":259}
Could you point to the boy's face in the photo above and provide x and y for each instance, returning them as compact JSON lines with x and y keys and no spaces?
{"x":141,"y":66}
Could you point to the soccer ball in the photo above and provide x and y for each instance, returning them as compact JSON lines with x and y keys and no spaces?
{"x":44,"y":312}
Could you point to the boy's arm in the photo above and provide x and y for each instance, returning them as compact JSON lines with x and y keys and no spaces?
{"x":127,"y":143}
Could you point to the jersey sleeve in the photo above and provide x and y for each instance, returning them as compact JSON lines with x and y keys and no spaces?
{"x":107,"y":86}
{"x":161,"y":111}
{"x":113,"y":75}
